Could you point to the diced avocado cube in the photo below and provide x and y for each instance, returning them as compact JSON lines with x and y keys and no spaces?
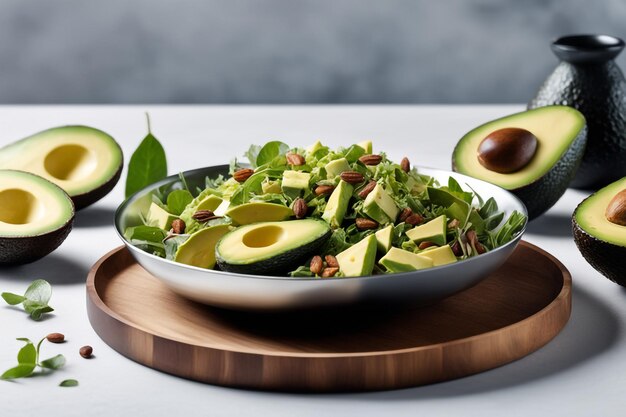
{"x":315,"y":147}
{"x":336,"y":167}
{"x":159,"y":217}
{"x":295,"y":183}
{"x":383,"y":239}
{"x":271,"y":187}
{"x":433,"y":231}
{"x":210,"y":202}
{"x":380,"y":206}
{"x":359,"y":259}
{"x":337,"y":204}
{"x":440,"y":256}
{"x":366,"y":145}
{"x":399,"y":260}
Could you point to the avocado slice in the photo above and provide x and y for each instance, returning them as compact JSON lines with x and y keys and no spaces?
{"x":199,"y":249}
{"x":83,"y":161}
{"x":433,"y":231}
{"x":210,"y":202}
{"x":440,"y":256}
{"x":359,"y":259}
{"x":383,"y":239}
{"x":337,"y":204}
{"x":601,"y":242}
{"x":255,"y":212}
{"x":269,"y":248}
{"x":35,"y":217}
{"x":561,"y":134}
{"x":400,"y":260}
{"x":380,"y":206}
{"x":295,"y":183}
{"x":159,"y":217}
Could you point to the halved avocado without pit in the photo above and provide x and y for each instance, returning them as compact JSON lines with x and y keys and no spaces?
{"x":35,"y":217}
{"x":83,"y":161}
{"x":541,"y":149}
{"x":270,"y":248}
{"x":602,"y":241}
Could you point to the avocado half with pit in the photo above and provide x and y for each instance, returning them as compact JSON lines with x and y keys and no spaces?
{"x":83,"y":161}
{"x":534,"y":154}
{"x":35,"y":217}
{"x":599,"y":226}
{"x":270,"y":248}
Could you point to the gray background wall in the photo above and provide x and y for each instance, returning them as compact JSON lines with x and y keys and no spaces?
{"x":287,"y":51}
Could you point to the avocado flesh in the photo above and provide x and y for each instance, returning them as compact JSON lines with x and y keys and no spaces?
{"x":258,"y":212}
{"x":602,"y":243}
{"x":359,"y":259}
{"x":199,"y":249}
{"x":268,"y":248}
{"x":35,"y":217}
{"x":433,"y":231}
{"x":561,"y":134}
{"x":400,"y":260}
{"x":83,"y":161}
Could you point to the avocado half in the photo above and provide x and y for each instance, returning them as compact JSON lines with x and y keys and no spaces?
{"x":561,"y":134}
{"x":602,"y":243}
{"x":270,"y":248}
{"x":35,"y":217}
{"x":83,"y":161}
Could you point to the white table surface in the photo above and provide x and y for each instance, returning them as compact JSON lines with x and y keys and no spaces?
{"x":582,"y":372}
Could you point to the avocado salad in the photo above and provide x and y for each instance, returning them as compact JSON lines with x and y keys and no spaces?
{"x":321,"y":212}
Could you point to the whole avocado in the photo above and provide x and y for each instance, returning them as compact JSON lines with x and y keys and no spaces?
{"x":589,"y":80}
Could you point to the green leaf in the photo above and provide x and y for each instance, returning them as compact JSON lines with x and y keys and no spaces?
{"x":177,"y":200}
{"x":147,"y":165}
{"x":39,"y":292}
{"x":252,"y":155}
{"x":55,"y":362}
{"x":20,"y":371}
{"x":12,"y":299}
{"x":38,"y":312}
{"x":145,"y":233}
{"x":69,"y":383}
{"x":270,"y":151}
{"x":27,"y":354}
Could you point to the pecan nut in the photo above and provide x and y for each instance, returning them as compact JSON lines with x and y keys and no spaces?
{"x":86,"y":351}
{"x":241,"y":175}
{"x":295,"y":159}
{"x":366,"y":224}
{"x":367,"y":189}
{"x":426,"y":244}
{"x":316,"y":265}
{"x":300,"y":208}
{"x":405,"y":164}
{"x":473,"y":240}
{"x":324,"y":189}
{"x":404,"y":214}
{"x":56,"y":338}
{"x":204,"y":216}
{"x":352,"y":177}
{"x":371,"y":159}
{"x":331,"y":261}
{"x":414,"y":219}
{"x":329,"y":272}
{"x":178,"y":226}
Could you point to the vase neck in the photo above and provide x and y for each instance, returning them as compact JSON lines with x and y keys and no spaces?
{"x":587,"y":49}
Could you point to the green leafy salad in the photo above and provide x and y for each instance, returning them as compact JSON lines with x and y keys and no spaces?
{"x":321,"y":212}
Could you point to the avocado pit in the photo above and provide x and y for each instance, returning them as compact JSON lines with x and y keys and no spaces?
{"x":616,"y":210}
{"x":507,"y":150}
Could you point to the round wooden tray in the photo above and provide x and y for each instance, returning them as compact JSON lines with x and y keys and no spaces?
{"x":510,"y":314}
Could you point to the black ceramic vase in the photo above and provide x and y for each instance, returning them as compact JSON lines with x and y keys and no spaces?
{"x":589,"y":80}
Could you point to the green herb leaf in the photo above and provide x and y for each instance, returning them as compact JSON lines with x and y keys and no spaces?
{"x":36,"y":313}
{"x":20,"y":371}
{"x":27,"y":355}
{"x":147,"y":165}
{"x":177,"y":200}
{"x":55,"y":362}
{"x":69,"y":383}
{"x":146,"y":233}
{"x":12,"y":299}
{"x":252,"y":154}
{"x":39,"y":291}
{"x":269,"y":151}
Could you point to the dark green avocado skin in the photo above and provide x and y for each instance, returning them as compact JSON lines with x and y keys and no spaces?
{"x":280,"y":264}
{"x":22,"y":250}
{"x":606,"y":258}
{"x":598,"y":91}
